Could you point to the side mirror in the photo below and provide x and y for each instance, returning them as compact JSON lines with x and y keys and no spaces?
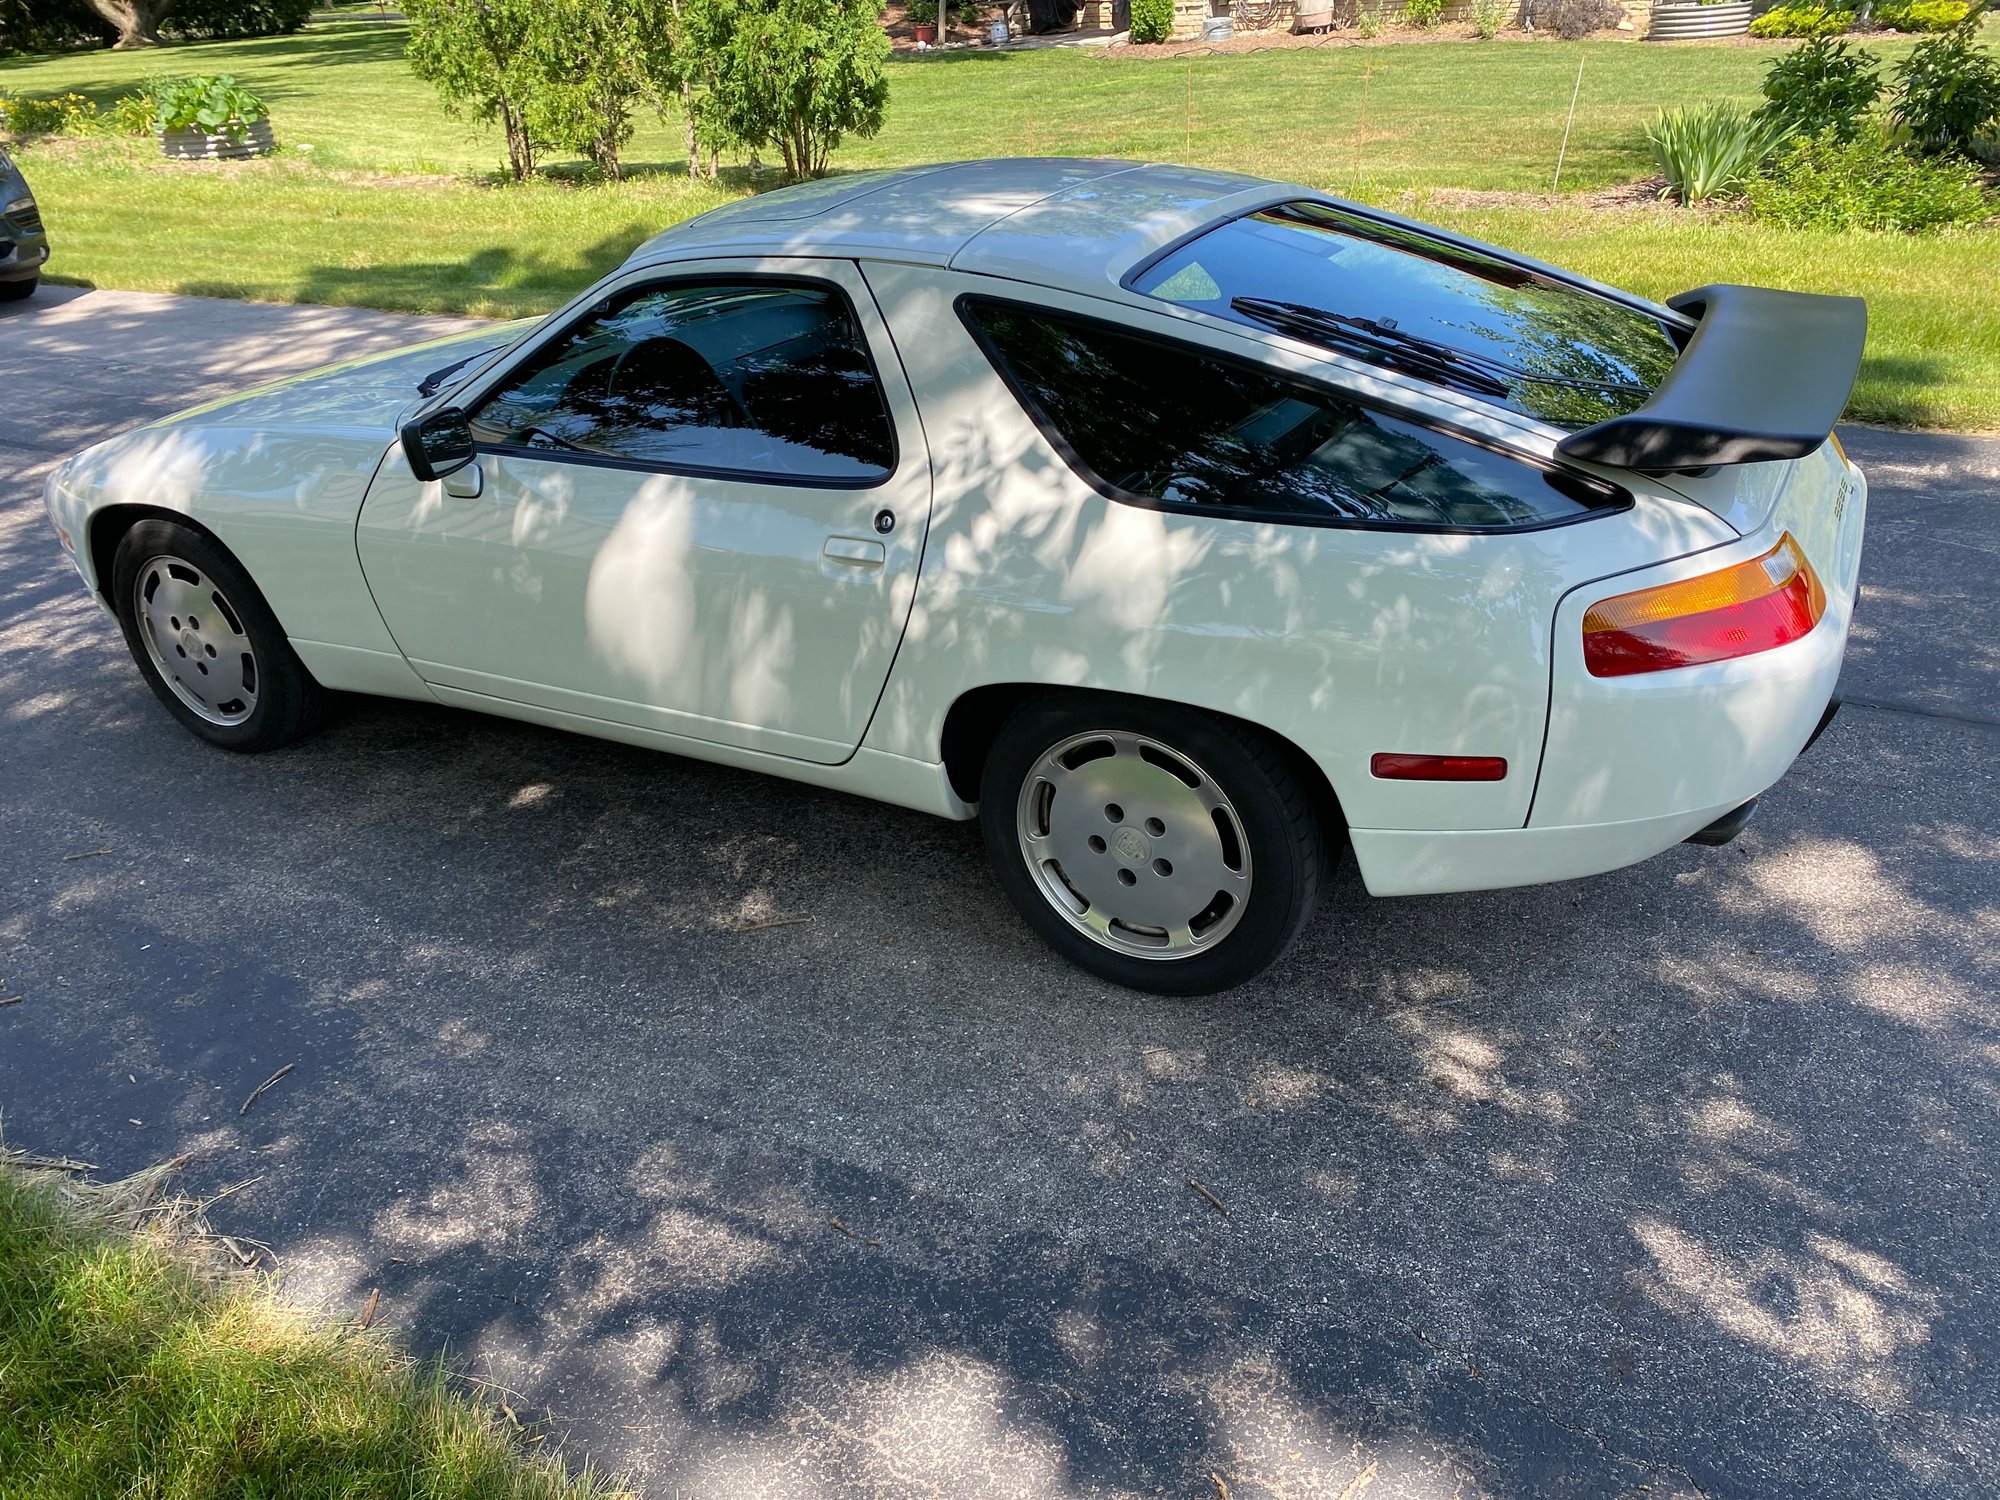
{"x":438,"y":444}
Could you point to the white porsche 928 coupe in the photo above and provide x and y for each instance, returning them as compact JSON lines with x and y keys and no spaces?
{"x":1179,"y":526}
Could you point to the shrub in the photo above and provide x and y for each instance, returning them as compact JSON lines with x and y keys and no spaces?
{"x":65,"y":114}
{"x":797,"y":74}
{"x":56,"y":25}
{"x":923,"y":12}
{"x":1947,"y":91}
{"x":1923,"y":15}
{"x":215,"y":20}
{"x":1824,"y":182}
{"x":1424,"y":14}
{"x":1711,"y":150}
{"x":1801,"y":20}
{"x":1822,"y":88}
{"x":1488,"y":16}
{"x":585,"y":64}
{"x":216,"y":103}
{"x":1152,"y":20}
{"x":472,"y":52}
{"x":1573,"y":20}
{"x":51,"y":26}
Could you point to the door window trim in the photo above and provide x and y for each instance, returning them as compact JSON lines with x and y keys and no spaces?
{"x":966,"y":303}
{"x":596,"y":309}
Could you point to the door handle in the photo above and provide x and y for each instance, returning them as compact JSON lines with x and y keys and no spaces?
{"x":466,"y":483}
{"x":855,"y":551}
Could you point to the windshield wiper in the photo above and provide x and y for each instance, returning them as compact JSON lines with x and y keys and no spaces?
{"x":432,"y":383}
{"x":1380,"y":343}
{"x":557,"y":438}
{"x":1480,"y":373}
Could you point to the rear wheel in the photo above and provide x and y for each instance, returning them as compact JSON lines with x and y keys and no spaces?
{"x":15,"y":291}
{"x":1161,"y":848}
{"x":207,"y":643}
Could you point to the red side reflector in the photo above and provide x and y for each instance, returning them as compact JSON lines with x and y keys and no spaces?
{"x":1438,"y":767}
{"x":1753,"y":606}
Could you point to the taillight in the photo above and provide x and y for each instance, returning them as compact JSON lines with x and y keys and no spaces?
{"x":1769,"y":601}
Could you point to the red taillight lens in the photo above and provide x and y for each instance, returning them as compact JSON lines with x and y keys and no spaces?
{"x":1769,"y":601}
{"x":1438,"y":767}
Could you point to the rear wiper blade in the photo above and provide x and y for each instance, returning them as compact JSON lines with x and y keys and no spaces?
{"x":1316,"y":324}
{"x":1385,"y":343}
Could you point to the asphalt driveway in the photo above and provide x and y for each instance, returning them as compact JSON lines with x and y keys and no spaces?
{"x":743,"y":1130}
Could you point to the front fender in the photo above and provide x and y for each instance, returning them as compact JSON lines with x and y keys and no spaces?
{"x":283,"y":502}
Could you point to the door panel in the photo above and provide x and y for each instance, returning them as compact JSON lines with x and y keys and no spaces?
{"x":758,"y":614}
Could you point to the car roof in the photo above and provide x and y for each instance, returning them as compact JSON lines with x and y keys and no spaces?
{"x":1072,"y":223}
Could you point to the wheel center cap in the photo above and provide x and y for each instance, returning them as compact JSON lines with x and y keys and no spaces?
{"x":1130,"y":844}
{"x":191,"y":644}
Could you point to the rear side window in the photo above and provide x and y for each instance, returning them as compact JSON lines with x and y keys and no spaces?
{"x":1560,"y":353}
{"x":1165,"y":423}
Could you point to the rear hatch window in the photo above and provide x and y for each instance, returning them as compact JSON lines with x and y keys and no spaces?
{"x":1443,"y":312}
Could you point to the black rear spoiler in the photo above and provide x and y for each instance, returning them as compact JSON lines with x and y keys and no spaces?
{"x":1763,"y":376}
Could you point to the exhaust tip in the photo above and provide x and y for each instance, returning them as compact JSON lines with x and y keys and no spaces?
{"x":1726,"y":827}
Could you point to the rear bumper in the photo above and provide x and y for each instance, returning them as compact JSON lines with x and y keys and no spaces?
{"x":1687,"y":749}
{"x":1635,"y":765}
{"x":1398,"y":862}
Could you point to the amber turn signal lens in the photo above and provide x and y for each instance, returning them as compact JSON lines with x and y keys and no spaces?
{"x":1753,"y":606}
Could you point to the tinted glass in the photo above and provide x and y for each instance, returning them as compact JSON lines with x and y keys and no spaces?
{"x":766,"y":380}
{"x":1168,"y":422}
{"x":1567,"y":356}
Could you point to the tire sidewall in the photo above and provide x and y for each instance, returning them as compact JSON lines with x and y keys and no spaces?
{"x":1286,"y":860}
{"x":281,"y":680}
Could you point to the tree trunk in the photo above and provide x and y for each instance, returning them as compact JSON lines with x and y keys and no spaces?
{"x":520,"y":149}
{"x":693,"y":143}
{"x":138,"y":21}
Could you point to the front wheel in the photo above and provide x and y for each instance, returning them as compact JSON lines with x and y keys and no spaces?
{"x":1161,"y":848}
{"x":16,"y":291}
{"x":207,"y":643}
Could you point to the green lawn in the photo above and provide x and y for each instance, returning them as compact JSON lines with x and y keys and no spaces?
{"x":128,"y":1368}
{"x":395,"y":204}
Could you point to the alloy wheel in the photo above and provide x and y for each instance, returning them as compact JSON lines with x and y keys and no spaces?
{"x":195,"y":640}
{"x":1134,"y":845}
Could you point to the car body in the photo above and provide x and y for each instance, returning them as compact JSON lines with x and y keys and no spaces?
{"x":24,"y":243}
{"x":860,"y":558}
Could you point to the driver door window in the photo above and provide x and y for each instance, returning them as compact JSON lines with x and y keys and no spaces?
{"x":760,"y":379}
{"x":699,"y":513}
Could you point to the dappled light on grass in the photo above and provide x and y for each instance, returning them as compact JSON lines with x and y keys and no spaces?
{"x":135,"y":1357}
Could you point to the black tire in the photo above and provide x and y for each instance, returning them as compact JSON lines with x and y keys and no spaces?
{"x":1279,"y":822}
{"x":289,"y":703}
{"x":19,"y":291}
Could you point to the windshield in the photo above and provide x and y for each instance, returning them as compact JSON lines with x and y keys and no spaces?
{"x":1561,"y":354}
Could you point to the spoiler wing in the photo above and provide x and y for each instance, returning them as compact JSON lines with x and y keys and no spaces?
{"x":1764,"y":376}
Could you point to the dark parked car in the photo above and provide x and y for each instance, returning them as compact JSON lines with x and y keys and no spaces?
{"x":23,"y":243}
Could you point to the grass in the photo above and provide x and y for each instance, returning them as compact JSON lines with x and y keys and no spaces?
{"x":396,"y":204}
{"x":131,"y":1364}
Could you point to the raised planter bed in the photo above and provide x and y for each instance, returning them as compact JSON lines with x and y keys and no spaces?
{"x":1691,"y":23}
{"x":199,"y":145}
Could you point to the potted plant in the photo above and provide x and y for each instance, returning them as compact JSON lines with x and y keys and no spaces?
{"x":209,"y":118}
{"x":923,"y":16}
{"x":1692,"y":20}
